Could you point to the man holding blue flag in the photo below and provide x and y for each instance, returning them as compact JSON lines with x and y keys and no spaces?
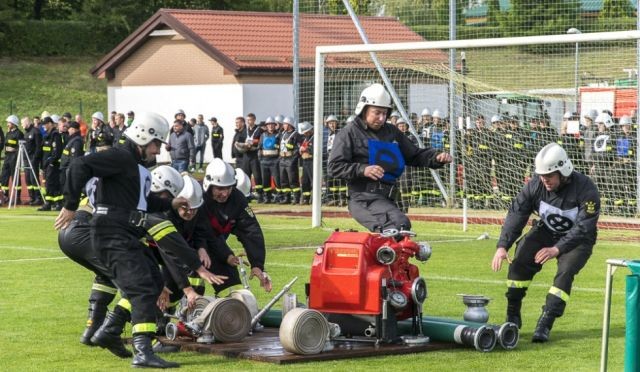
{"x":370,"y":155}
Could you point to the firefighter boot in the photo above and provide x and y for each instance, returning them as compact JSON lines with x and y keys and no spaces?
{"x":46,"y":207}
{"x":144,"y":356}
{"x":344,"y":199}
{"x":285,"y":198}
{"x":108,"y":336}
{"x":305,"y":199}
{"x":543,"y":328}
{"x":514,"y":304}
{"x":98,"y":302}
{"x":295,"y":198}
{"x":267,"y":197}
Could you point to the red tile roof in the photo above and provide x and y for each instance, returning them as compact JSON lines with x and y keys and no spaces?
{"x":255,"y":41}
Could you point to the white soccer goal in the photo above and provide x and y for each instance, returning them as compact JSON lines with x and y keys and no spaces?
{"x":528,"y":83}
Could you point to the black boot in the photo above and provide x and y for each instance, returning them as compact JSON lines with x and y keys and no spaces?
{"x":46,"y":207}
{"x":513,"y":313}
{"x":98,"y":302}
{"x":145,"y":357}
{"x":543,"y":328}
{"x":267,"y":197}
{"x":285,"y":198}
{"x":108,"y":336}
{"x":295,"y":198}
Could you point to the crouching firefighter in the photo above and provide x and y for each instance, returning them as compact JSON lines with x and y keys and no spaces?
{"x":569,"y":206}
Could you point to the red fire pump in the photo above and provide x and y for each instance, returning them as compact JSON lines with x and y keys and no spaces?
{"x":365,"y":283}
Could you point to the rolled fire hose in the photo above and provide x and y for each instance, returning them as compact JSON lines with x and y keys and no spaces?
{"x":246,"y":297}
{"x":482,"y":338}
{"x":507,"y":333}
{"x":304,"y":331}
{"x":228,"y":319}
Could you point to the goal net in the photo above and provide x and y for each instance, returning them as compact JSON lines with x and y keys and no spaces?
{"x":500,"y":104}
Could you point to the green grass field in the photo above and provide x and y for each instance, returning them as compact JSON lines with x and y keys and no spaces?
{"x":44,"y":298}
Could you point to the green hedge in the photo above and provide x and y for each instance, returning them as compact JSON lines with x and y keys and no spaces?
{"x":57,"y":38}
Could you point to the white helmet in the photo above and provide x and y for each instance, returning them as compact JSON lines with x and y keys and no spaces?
{"x":97,"y":115}
{"x":219,"y":173}
{"x":591,"y":114}
{"x":270,"y":119}
{"x":13,"y":119}
{"x":243,"y":182}
{"x":192,"y":191}
{"x":625,"y":120}
{"x":605,"y":119}
{"x":166,"y":178}
{"x":395,"y":114}
{"x":401,"y":121}
{"x":304,"y":127}
{"x":146,"y":127}
{"x":331,"y":118}
{"x":179,"y":112}
{"x":374,"y":95}
{"x":288,"y":120}
{"x":436,"y":114}
{"x":55,"y":118}
{"x":279,"y":118}
{"x":496,"y":119}
{"x":553,"y":158}
{"x":351,"y":119}
{"x":426,"y":112}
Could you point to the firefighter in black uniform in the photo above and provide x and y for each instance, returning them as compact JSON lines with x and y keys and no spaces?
{"x":569,"y":206}
{"x":336,"y":191}
{"x":74,"y":148}
{"x":288,"y":163}
{"x":101,"y":137}
{"x":228,"y":212}
{"x":51,"y":153}
{"x":305,"y":130}
{"x":370,"y":154}
{"x":268,"y":154}
{"x":406,"y":181}
{"x":625,"y":168}
{"x":122,"y":202}
{"x":11,"y":147}
{"x":250,"y":163}
{"x":33,"y":146}
{"x":217,"y":138}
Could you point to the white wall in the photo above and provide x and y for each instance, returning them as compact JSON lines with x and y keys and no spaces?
{"x":223,"y":101}
{"x":266,"y":100}
{"x":431,"y":96}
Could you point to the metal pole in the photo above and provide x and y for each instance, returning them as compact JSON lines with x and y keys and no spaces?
{"x":296,"y":61}
{"x":316,"y":211}
{"x":452,"y":115}
{"x":577,"y":84}
{"x":612,"y":265}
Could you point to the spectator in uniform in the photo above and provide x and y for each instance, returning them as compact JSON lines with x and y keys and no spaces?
{"x":569,"y":207}
{"x":74,"y":148}
{"x":268,"y":154}
{"x":217,"y":137}
{"x":51,"y":153}
{"x":11,"y":147}
{"x":101,"y":138}
{"x":602,"y":156}
{"x":305,"y":130}
{"x":33,"y":147}
{"x":625,"y":175}
{"x":250,"y":163}
{"x":370,"y":155}
{"x":406,"y":180}
{"x":288,"y":163}
{"x":336,"y":191}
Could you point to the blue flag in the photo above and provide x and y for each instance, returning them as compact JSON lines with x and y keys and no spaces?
{"x":388,"y":156}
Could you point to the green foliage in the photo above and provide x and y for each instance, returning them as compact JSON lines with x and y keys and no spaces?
{"x":543,"y":17}
{"x":493,"y":13}
{"x":616,"y":9}
{"x":58,"y":38}
{"x":435,"y":33}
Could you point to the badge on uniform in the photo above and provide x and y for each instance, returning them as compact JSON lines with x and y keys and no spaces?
{"x":590,"y":207}
{"x":388,"y":156}
{"x":250,"y":212}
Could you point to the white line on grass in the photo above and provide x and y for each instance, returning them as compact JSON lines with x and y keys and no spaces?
{"x":458,"y":279}
{"x":23,"y":248}
{"x":34,"y":259}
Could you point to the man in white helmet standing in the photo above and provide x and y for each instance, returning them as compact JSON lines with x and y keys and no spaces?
{"x":12,"y":145}
{"x":122,"y":201}
{"x":568,"y":204}
{"x":370,"y":154}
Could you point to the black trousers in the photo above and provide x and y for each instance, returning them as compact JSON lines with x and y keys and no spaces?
{"x":8,"y":168}
{"x":377,"y":212}
{"x":289,"y":174}
{"x":307,"y":176}
{"x":523,"y":268}
{"x":52,"y":183}
{"x":32,"y":182}
{"x":217,"y":149}
{"x":199,"y":150}
{"x":75,"y":243}
{"x":251,"y":166}
{"x":270,"y":169}
{"x":118,"y":246}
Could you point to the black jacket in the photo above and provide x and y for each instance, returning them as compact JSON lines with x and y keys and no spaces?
{"x":51,"y":148}
{"x":33,"y":143}
{"x":124,"y":181}
{"x":350,"y":154}
{"x":236,"y":217}
{"x":73,"y":149}
{"x":571,"y":213}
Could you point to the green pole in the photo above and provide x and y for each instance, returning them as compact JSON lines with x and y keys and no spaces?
{"x":632,"y":347}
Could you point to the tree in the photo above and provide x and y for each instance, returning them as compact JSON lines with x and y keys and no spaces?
{"x":493,"y":12}
{"x":543,"y":17}
{"x":440,"y":10}
{"x":616,"y":9}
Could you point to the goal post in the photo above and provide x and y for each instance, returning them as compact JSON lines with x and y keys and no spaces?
{"x":527,"y":94}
